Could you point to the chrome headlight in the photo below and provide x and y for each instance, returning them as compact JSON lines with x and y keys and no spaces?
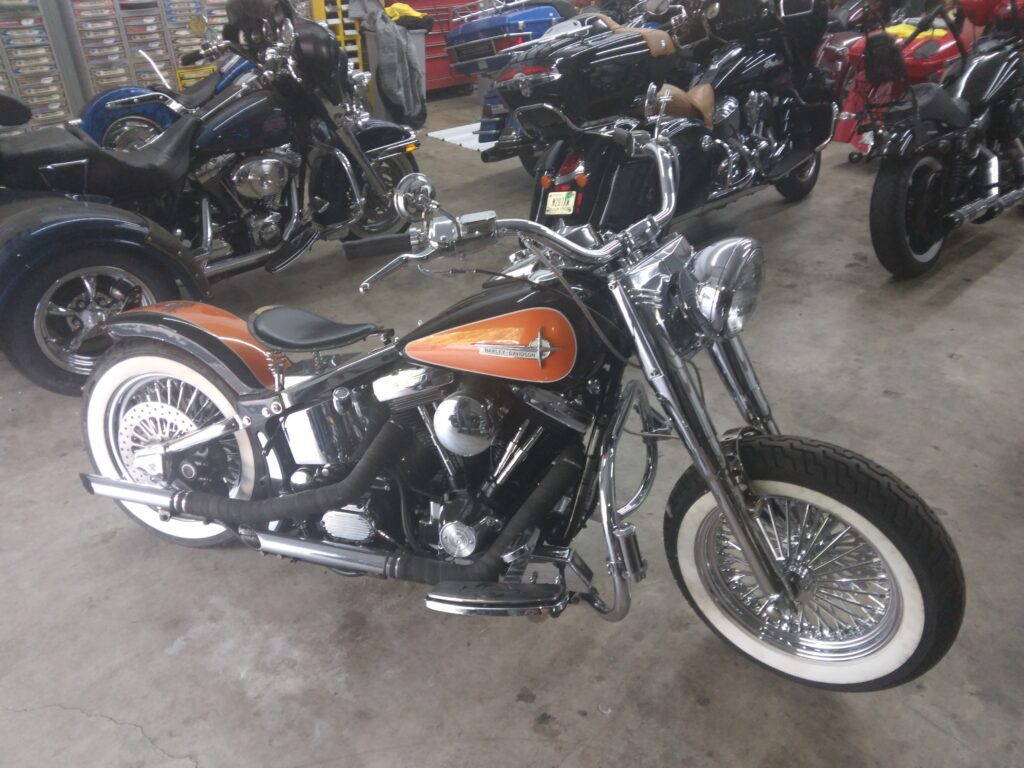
{"x":726,"y":280}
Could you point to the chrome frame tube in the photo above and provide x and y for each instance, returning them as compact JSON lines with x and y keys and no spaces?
{"x":357,"y":190}
{"x":681,"y":398}
{"x":348,"y":140}
{"x":737,"y":374}
{"x":651,"y":463}
{"x":621,"y":567}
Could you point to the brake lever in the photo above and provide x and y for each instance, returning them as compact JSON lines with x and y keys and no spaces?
{"x":395,"y":264}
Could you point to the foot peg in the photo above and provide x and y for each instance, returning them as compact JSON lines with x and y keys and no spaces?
{"x":497,"y":599}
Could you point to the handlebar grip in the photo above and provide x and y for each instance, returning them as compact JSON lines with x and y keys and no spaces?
{"x":383,"y":245}
{"x":621,"y":136}
{"x":192,"y":57}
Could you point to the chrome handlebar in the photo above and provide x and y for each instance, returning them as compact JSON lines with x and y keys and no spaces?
{"x":445,"y":233}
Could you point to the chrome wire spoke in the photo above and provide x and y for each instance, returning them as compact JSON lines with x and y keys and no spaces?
{"x":843,"y":602}
{"x":158,"y":409}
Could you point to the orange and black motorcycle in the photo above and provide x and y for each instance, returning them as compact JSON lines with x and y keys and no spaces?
{"x":470,"y":453}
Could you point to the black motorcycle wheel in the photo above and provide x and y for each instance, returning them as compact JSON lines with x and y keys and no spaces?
{"x":878,"y":590}
{"x":906,"y":203}
{"x":800,"y":182}
{"x":47,"y":323}
{"x":380,"y":217}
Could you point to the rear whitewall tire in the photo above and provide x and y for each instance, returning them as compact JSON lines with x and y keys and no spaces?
{"x":126,"y":364}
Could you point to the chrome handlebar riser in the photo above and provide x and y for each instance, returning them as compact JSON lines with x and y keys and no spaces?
{"x":445,"y":232}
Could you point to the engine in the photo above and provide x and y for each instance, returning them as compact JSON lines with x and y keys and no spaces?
{"x":477,"y":448}
{"x":255,"y":196}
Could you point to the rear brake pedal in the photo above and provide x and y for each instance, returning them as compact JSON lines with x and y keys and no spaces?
{"x":473,"y":598}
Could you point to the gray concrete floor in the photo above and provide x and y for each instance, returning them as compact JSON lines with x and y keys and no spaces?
{"x":117,"y":649}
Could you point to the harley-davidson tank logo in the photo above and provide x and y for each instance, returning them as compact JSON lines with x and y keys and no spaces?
{"x":539,"y":349}
{"x":536,"y":344}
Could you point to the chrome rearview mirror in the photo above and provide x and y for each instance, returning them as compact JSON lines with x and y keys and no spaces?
{"x":415,"y":196}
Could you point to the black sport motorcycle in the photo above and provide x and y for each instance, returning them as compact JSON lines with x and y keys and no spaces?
{"x":758,"y":114}
{"x":952,"y":152}
{"x":253,"y":177}
{"x":469,"y":454}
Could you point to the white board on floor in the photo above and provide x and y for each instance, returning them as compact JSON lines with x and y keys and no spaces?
{"x":464,"y":136}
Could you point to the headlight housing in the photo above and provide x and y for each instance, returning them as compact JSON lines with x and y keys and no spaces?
{"x":722,"y":285}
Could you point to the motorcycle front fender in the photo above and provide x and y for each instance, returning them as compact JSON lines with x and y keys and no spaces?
{"x":38,"y":226}
{"x":218,"y":338}
{"x":379,"y":138}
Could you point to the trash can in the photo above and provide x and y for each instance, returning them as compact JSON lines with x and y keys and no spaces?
{"x":418,"y":37}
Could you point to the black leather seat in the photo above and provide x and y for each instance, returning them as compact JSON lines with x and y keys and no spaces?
{"x":12,"y":111}
{"x":935,"y":103}
{"x":118,"y":174}
{"x":290,"y":329}
{"x":196,"y":94}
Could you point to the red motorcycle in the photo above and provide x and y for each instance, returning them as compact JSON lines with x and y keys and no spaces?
{"x":867,"y":84}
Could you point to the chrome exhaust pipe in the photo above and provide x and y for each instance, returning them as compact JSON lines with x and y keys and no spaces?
{"x":341,"y":556}
{"x":121,"y":490}
{"x":973,"y":211}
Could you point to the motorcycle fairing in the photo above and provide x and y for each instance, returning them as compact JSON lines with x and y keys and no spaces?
{"x":36,"y":226}
{"x":219,"y":338}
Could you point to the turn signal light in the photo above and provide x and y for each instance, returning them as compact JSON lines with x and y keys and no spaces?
{"x":581,"y":180}
{"x":410,"y":147}
{"x":546,"y":181}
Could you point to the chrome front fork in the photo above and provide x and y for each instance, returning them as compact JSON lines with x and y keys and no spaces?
{"x":680,"y":396}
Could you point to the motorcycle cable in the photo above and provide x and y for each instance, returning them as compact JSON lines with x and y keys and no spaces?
{"x":412,"y":543}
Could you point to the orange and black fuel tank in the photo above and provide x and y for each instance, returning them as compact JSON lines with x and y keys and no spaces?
{"x":517,"y":331}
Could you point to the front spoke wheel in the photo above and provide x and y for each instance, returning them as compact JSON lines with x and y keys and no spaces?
{"x":874,"y":590}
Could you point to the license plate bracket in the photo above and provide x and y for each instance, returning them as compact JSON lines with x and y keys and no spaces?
{"x":560,"y":204}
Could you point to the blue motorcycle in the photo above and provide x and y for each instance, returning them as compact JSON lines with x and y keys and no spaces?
{"x":254,"y":176}
{"x":487,"y":36}
{"x":118,"y":120}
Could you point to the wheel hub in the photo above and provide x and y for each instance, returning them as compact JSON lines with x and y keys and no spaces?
{"x":840,"y":601}
{"x":144,"y":425}
{"x":75,"y":306}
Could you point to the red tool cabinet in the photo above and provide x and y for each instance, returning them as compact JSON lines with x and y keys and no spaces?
{"x":439,"y":73}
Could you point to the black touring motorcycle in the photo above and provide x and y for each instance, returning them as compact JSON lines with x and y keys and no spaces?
{"x":253,"y":177}
{"x":469,"y":454}
{"x":952,"y":153}
{"x":757,"y":115}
